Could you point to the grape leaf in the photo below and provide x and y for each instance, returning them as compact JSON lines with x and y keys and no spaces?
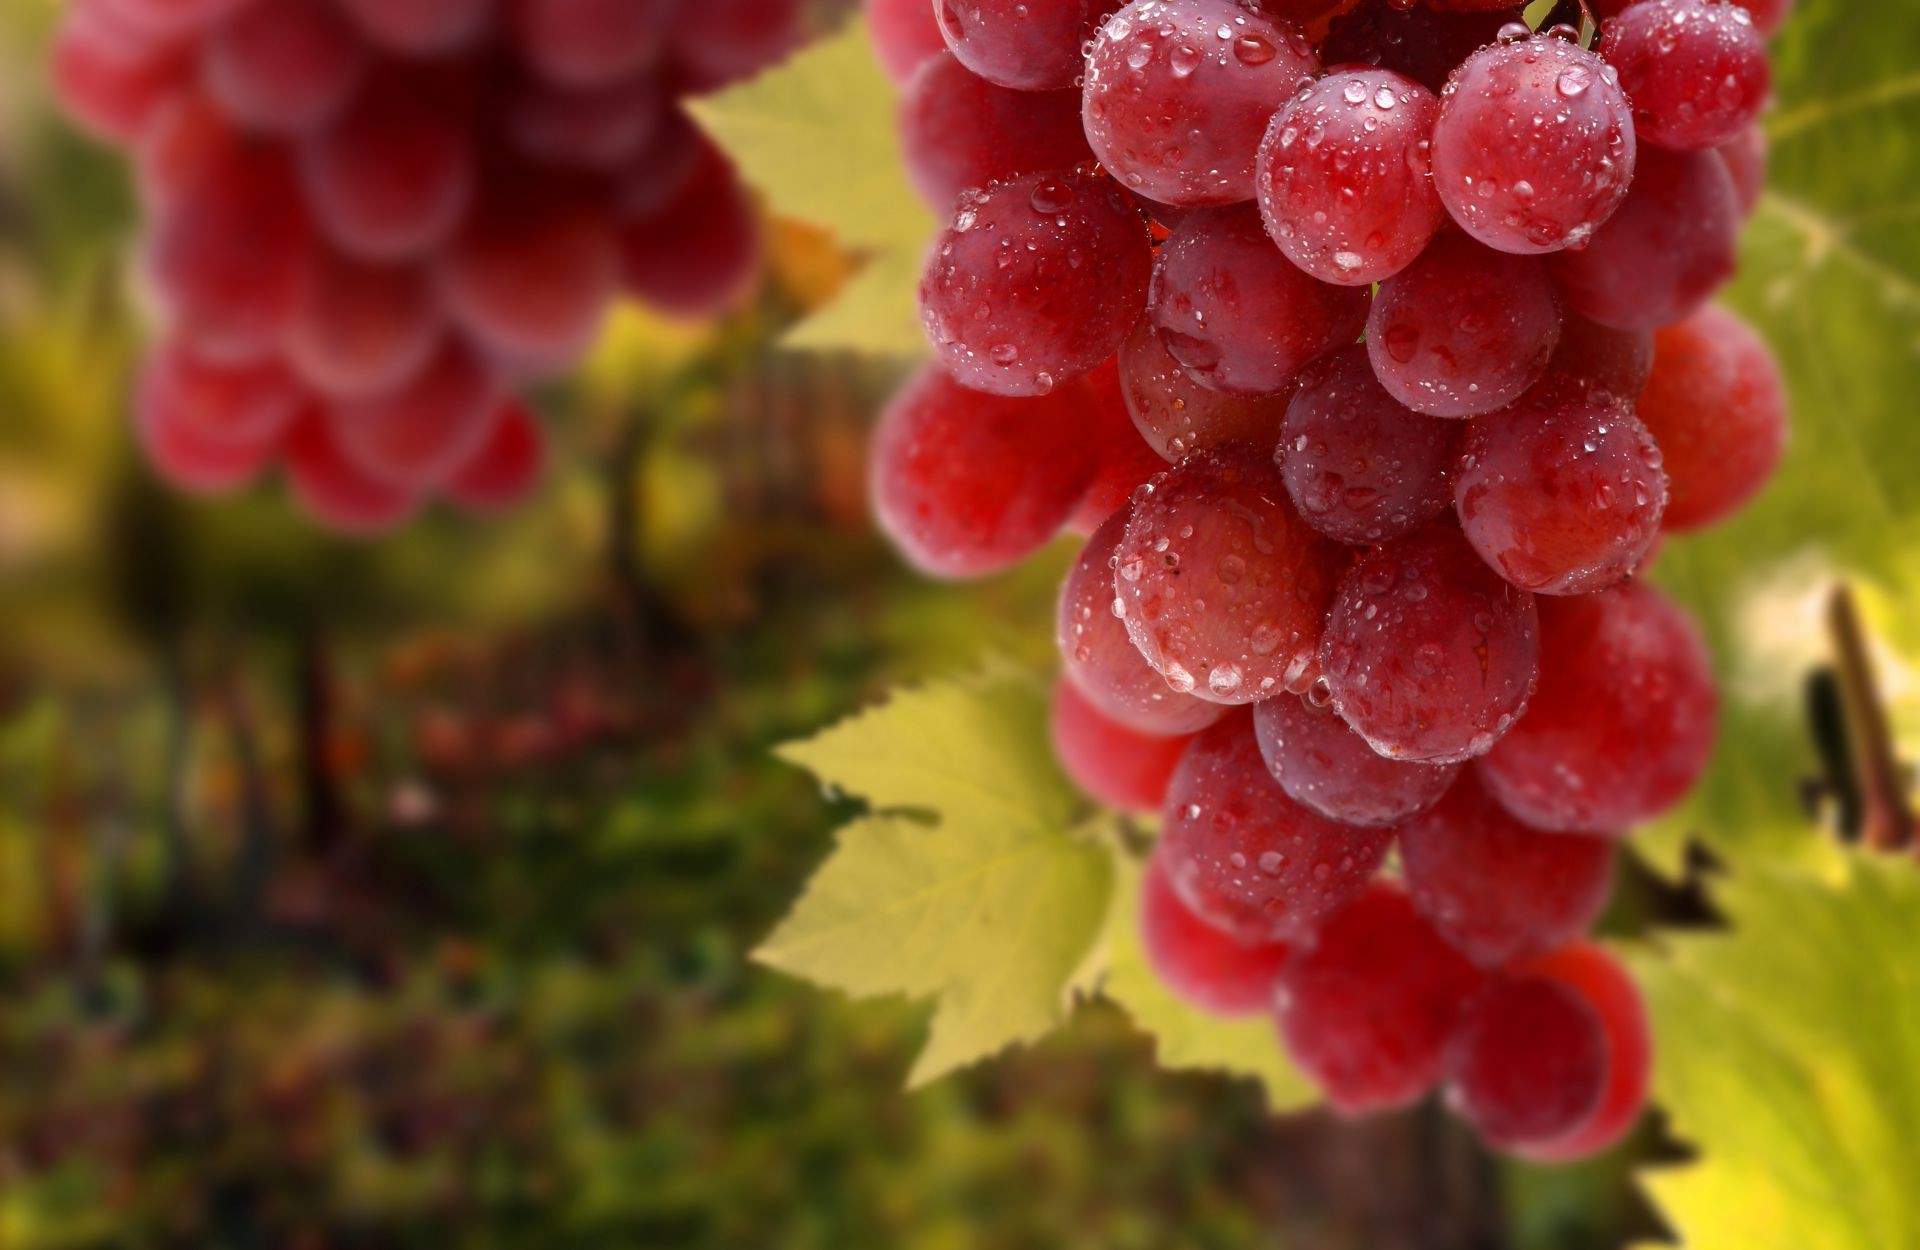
{"x":816,"y":136}
{"x":1788,"y":1052}
{"x":991,"y":909}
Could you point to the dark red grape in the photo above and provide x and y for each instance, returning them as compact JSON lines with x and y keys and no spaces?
{"x":676,"y":154}
{"x":1594,"y":357}
{"x":1178,"y":94}
{"x":591,"y":43}
{"x":1345,"y":179}
{"x":1113,"y":764}
{"x":957,"y":130}
{"x":697,"y":254}
{"x":420,"y":27}
{"x":165,"y":20}
{"x":1423,"y":43}
{"x":285,"y":67}
{"x":1177,"y":415}
{"x":905,"y":34}
{"x":1623,"y":722}
{"x":1769,"y":15}
{"x":336,"y":493}
{"x":1246,"y":858}
{"x":505,"y":468}
{"x":715,"y":43}
{"x":360,"y":330}
{"x":186,"y":136}
{"x":394,"y":177}
{"x":1368,"y":1010}
{"x":1222,"y":585}
{"x":1320,"y":762}
{"x":1598,"y":978}
{"x":1718,"y":409}
{"x":1534,"y":148}
{"x":1528,"y":1064}
{"x":419,"y":436}
{"x":1207,"y":968}
{"x":1028,"y":45}
{"x":1036,"y":281}
{"x":593,"y":129}
{"x":1464,"y":330}
{"x":1696,"y":72}
{"x":1428,"y":654}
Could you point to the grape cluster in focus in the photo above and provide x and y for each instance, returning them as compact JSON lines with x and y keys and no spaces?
{"x":1370,"y":343}
{"x":369,"y":223}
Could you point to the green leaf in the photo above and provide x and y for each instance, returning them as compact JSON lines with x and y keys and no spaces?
{"x":1788,"y":1052}
{"x":992,"y":910}
{"x":1183,"y":1037}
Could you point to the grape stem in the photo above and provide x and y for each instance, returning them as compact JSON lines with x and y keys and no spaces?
{"x":1887,"y":819}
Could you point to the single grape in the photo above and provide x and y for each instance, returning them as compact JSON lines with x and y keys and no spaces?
{"x":112,"y":85}
{"x":1175,"y":414}
{"x":966,"y":483}
{"x":505,"y":468}
{"x":1562,"y":492}
{"x":420,"y":27}
{"x":957,"y":130}
{"x":1667,"y":250}
{"x":1622,"y":725}
{"x":1717,"y":407}
{"x":1594,"y":357}
{"x":1178,"y":94}
{"x":1027,"y":45}
{"x":1100,"y":659}
{"x":1320,"y":762}
{"x":1598,"y":978}
{"x":335,"y":492}
{"x":359,"y":330}
{"x":675,"y":154}
{"x":1495,"y":888}
{"x":1746,"y":158}
{"x":285,"y":67}
{"x":1529,"y":1062}
{"x":1113,"y":764}
{"x":905,"y":34}
{"x":1423,"y":43}
{"x":1362,"y":467}
{"x":1769,"y":15}
{"x":1428,"y":654}
{"x":599,"y":128}
{"x":1247,"y":859}
{"x":1464,"y":330}
{"x":1344,"y":176}
{"x":186,"y":136}
{"x":240,"y":406}
{"x":1222,"y":585}
{"x":1696,"y":72}
{"x":1036,"y":281}
{"x":715,"y":43}
{"x":1368,"y":1010}
{"x":1205,"y":967}
{"x":699,"y":253}
{"x":591,"y":43}
{"x":1125,"y":459}
{"x":1534,"y":148}
{"x":1236,"y":314}
{"x":422,"y":434}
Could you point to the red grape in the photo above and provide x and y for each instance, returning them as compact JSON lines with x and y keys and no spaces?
{"x":592,"y":43}
{"x":1597,"y":358}
{"x":718,"y":42}
{"x":1036,"y":281}
{"x":1497,"y":889}
{"x":905,"y":34}
{"x":285,"y":67}
{"x":1769,"y":15}
{"x":1320,"y":762}
{"x":675,"y":154}
{"x":505,"y":468}
{"x":1667,"y":250}
{"x":697,"y":254}
{"x":1125,"y":458}
{"x":1562,"y":492}
{"x":1115,"y":765}
{"x":1718,"y":409}
{"x":1368,"y":1011}
{"x":1534,"y":148}
{"x":360,"y":330}
{"x":958,"y":130}
{"x":967,"y":483}
{"x":593,"y":129}
{"x":1177,"y":415}
{"x":113,"y":85}
{"x":1696,"y":72}
{"x":1208,"y":968}
{"x":1362,"y":467}
{"x":1178,"y":94}
{"x":244,"y":406}
{"x":336,"y":493}
{"x":419,"y":436}
{"x":1428,"y":654}
{"x":1246,"y":858}
{"x":1344,"y":176}
{"x":1529,"y":1062}
{"x":420,"y":27}
{"x":1596,"y":977}
{"x":1425,"y":44}
{"x":187,"y":135}
{"x":1623,"y":722}
{"x":1236,"y":314}
{"x":1465,"y":330}
{"x":165,"y":20}
{"x":1222,"y":585}
{"x":1028,"y":45}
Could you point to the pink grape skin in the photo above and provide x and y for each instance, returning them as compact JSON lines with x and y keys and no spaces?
{"x":1428,"y":654}
{"x":1223,"y":586}
{"x":1464,"y":330}
{"x":420,"y":435}
{"x":1026,"y":45}
{"x":1100,"y":660}
{"x":505,"y":468}
{"x":1247,"y":859}
{"x":1528,"y":1063}
{"x":1717,"y":406}
{"x":109,"y":84}
{"x":1344,"y":176}
{"x":1604,"y":985}
{"x":1324,"y":765}
{"x":715,"y":43}
{"x":420,"y":27}
{"x":967,"y":484}
{"x":1036,"y":281}
{"x":1667,"y":250}
{"x":1623,"y":723}
{"x":1746,"y":158}
{"x":597,"y":129}
{"x":1362,"y":467}
{"x":1421,"y":43}
{"x":1114,"y":765}
{"x":1236,"y":314}
{"x":1176,"y":110}
{"x":286,"y":67}
{"x":1125,"y":459}
{"x":1203,"y":966}
{"x":957,"y":130}
{"x":1368,"y":1010}
{"x":1561,"y":493}
{"x":359,"y":330}
{"x":1696,"y":72}
{"x":1534,"y":148}
{"x":1175,"y":414}
{"x":1496,"y":889}
{"x":335,"y":493}
{"x":238,"y":406}
{"x":699,"y":253}
{"x":1597,"y":358}
{"x":591,"y":43}
{"x":905,"y":34}
{"x":393,"y":178}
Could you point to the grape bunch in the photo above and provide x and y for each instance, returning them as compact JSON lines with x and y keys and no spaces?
{"x":1369,"y":342}
{"x":369,"y":223}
